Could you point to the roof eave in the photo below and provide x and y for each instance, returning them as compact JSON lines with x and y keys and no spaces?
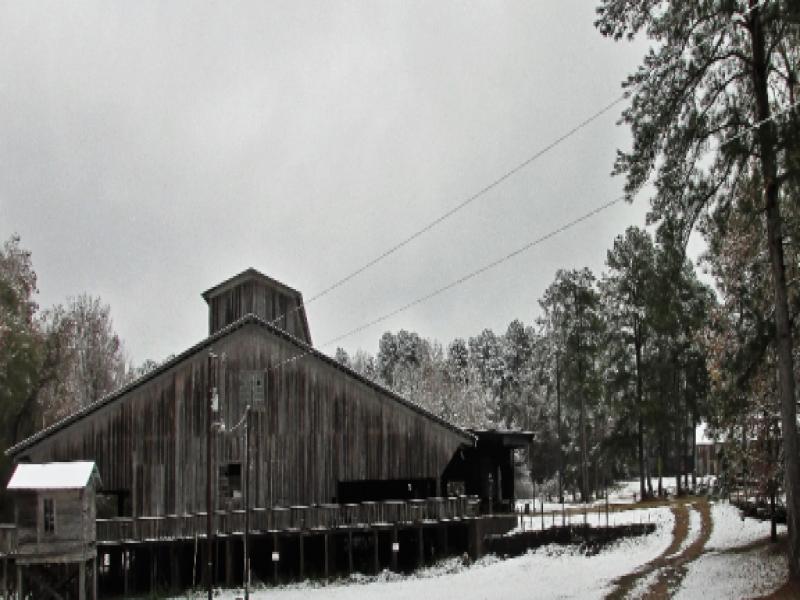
{"x":245,"y":320}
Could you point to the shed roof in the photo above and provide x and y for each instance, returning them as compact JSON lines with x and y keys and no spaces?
{"x":53,"y":476}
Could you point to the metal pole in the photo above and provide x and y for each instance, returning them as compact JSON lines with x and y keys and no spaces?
{"x":247,"y":503}
{"x":209,"y":471}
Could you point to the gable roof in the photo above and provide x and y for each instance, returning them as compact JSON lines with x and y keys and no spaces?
{"x":53,"y":476}
{"x":249,"y":319}
{"x":249,"y":273}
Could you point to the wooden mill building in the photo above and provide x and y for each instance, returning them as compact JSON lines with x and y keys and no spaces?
{"x":320,"y":434}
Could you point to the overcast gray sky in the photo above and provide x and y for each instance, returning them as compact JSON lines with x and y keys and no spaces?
{"x":149,"y":150}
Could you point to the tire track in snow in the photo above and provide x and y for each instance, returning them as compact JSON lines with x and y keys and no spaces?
{"x":668,"y":568}
{"x":671,"y":576}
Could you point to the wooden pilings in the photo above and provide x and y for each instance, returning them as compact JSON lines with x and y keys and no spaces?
{"x":376,"y":563}
{"x":281,"y":556}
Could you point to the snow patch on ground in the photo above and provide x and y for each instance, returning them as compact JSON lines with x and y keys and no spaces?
{"x":564,"y":572}
{"x":550,"y":572}
{"x":622,"y":492}
{"x":739,"y":575}
{"x":732,"y":531}
{"x":722,"y":572}
{"x":594,"y":517}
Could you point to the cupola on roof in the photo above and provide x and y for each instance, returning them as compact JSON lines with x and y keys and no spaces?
{"x":252,"y":292}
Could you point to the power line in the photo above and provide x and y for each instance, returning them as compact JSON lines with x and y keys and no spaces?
{"x":458,"y":207}
{"x":461,"y":280}
{"x":497,"y":262}
{"x":472,"y":198}
{"x":469,"y":200}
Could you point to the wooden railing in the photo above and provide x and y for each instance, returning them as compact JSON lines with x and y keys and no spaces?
{"x":283,"y":518}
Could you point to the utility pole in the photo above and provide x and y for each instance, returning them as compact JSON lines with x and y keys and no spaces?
{"x":209,"y":472}
{"x":247,"y":503}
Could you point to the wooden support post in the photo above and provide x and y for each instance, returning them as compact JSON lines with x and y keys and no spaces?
{"x":445,"y":541}
{"x":376,"y":555}
{"x":20,"y":589}
{"x":82,"y":580}
{"x":229,"y":561}
{"x":126,"y":572}
{"x":5,"y":578}
{"x":275,"y":554}
{"x":301,"y":542}
{"x":349,"y":552}
{"x":175,"y":568}
{"x":420,"y":547}
{"x":395,"y":548}
{"x":152,"y":569}
{"x":327,"y":557}
{"x":94,"y":578}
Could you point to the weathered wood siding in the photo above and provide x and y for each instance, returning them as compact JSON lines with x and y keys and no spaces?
{"x":75,"y":527}
{"x":271,"y":304}
{"x":315,"y":426}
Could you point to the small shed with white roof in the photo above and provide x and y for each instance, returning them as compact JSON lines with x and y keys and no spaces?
{"x":55,"y":516}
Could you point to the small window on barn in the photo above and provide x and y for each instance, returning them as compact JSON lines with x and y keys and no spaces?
{"x":230,"y":480}
{"x":258,"y":387}
{"x":49,"y":515}
{"x":252,"y":387}
{"x":456,"y":488}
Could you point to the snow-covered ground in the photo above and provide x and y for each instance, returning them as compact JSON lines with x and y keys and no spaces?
{"x":595,"y":516}
{"x":623,"y":492}
{"x":724,"y":570}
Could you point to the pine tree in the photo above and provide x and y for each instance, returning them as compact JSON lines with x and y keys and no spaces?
{"x":627,"y":293}
{"x":712,"y":105}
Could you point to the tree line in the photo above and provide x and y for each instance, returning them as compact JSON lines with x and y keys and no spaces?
{"x":53,"y":361}
{"x":611,"y":378}
{"x":715,"y":121}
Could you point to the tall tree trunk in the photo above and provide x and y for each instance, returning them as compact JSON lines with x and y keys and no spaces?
{"x":694,"y":449}
{"x":558,"y":424}
{"x":584,"y":453}
{"x":679,"y":441}
{"x":639,"y":408}
{"x":783,"y":338}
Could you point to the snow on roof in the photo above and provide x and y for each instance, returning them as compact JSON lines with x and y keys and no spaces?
{"x":52,"y":476}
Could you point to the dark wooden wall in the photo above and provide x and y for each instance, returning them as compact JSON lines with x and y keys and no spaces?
{"x":316,"y":425}
{"x":74,"y":520}
{"x":261,"y":299}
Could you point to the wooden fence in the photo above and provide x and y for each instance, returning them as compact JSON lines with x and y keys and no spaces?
{"x":319,"y":517}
